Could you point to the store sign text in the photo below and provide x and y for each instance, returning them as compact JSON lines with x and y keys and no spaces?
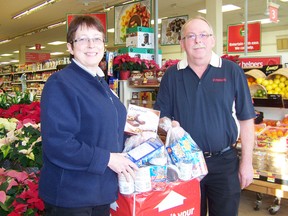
{"x":236,"y":37}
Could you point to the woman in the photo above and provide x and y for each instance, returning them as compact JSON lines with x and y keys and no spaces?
{"x":82,"y":125}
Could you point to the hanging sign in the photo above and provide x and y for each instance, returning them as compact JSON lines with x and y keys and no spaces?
{"x":101,"y":16}
{"x":236,"y":36}
{"x":273,"y":12}
{"x":38,"y":46}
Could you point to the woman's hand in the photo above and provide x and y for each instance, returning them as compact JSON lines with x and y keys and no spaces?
{"x":122,"y":165}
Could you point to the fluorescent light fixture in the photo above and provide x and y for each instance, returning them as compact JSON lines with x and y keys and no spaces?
{"x":57,"y":43}
{"x":225,"y":8}
{"x":34,"y":8}
{"x":5,"y":41}
{"x":57,"y":53}
{"x":56,"y":25}
{"x":127,"y":2}
{"x":284,"y":0}
{"x":111,"y":30}
{"x":6,"y":54}
{"x":14,"y":61}
{"x":34,"y":48}
{"x":2,"y":63}
{"x":16,"y":51}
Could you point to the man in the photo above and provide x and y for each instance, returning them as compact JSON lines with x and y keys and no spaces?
{"x":209,"y":97}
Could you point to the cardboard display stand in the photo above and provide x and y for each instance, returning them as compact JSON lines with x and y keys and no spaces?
{"x":179,"y":198}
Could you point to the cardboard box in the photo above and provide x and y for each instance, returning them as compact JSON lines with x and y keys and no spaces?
{"x":143,"y":53}
{"x":141,"y":119}
{"x":140,"y":37}
{"x":180,"y":198}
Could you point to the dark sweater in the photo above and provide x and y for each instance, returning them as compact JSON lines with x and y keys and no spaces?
{"x":82,"y":121}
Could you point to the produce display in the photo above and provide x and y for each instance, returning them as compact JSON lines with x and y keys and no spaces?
{"x":275,"y":83}
{"x":270,"y":154}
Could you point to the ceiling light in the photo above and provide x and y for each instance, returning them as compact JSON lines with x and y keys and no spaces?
{"x":34,"y":48}
{"x":127,"y":2}
{"x":14,"y":61}
{"x":111,"y":30}
{"x":16,"y":51}
{"x":57,"y":53}
{"x":284,"y":0}
{"x":56,"y":24}
{"x":34,"y":8}
{"x":225,"y":8}
{"x":57,"y":43}
{"x":6,"y":54}
{"x":5,"y":41}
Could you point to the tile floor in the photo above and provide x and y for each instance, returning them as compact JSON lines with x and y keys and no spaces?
{"x":247,"y":204}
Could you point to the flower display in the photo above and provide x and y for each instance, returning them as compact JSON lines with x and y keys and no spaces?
{"x":22,"y":111}
{"x":20,"y":106}
{"x":20,"y":144}
{"x":234,"y":58}
{"x":169,"y":63}
{"x":20,"y":155}
{"x":19,"y":193}
{"x":126,"y":62}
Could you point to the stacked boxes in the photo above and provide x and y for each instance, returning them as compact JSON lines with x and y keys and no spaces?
{"x":140,"y":43}
{"x":140,"y":37}
{"x":143,"y":53}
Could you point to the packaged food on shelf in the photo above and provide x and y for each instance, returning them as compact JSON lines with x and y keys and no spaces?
{"x":259,"y":128}
{"x":270,"y":122}
{"x":274,"y":138}
{"x":259,"y":160}
{"x":277,"y":163}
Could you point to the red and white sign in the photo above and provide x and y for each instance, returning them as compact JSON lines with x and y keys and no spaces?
{"x":259,"y":62}
{"x":101,"y":16}
{"x":236,"y":38}
{"x":36,"y":57}
{"x":273,"y":12}
{"x":181,"y":198}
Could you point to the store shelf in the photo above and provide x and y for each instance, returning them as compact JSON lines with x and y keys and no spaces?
{"x":34,"y":78}
{"x":144,"y":86}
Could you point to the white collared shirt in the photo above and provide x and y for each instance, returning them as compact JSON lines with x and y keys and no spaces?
{"x":99,"y":71}
{"x":216,"y":61}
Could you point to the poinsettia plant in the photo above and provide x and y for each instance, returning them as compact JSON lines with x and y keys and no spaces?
{"x":169,"y":63}
{"x":19,"y":193}
{"x":234,"y":58}
{"x":126,"y":62}
{"x":20,"y":143}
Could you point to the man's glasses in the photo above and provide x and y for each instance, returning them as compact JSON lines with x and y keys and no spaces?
{"x":85,"y":40}
{"x":200,"y":36}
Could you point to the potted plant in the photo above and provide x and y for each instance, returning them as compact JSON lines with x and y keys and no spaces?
{"x":125,"y":64}
{"x":19,"y":193}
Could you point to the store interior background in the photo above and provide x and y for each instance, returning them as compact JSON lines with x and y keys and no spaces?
{"x":56,"y":13}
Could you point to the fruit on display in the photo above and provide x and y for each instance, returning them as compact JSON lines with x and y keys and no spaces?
{"x":259,"y":128}
{"x":273,"y":137}
{"x":273,"y":84}
{"x":270,"y":122}
{"x":261,"y":93}
{"x":251,"y":80}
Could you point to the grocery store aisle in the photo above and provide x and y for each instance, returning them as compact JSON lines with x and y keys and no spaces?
{"x":247,"y":204}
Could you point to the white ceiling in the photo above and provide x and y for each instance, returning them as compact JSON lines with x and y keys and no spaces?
{"x":10,"y":28}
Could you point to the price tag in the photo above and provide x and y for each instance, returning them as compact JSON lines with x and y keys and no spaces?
{"x":256,"y":174}
{"x":270,"y":177}
{"x":274,"y":96}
